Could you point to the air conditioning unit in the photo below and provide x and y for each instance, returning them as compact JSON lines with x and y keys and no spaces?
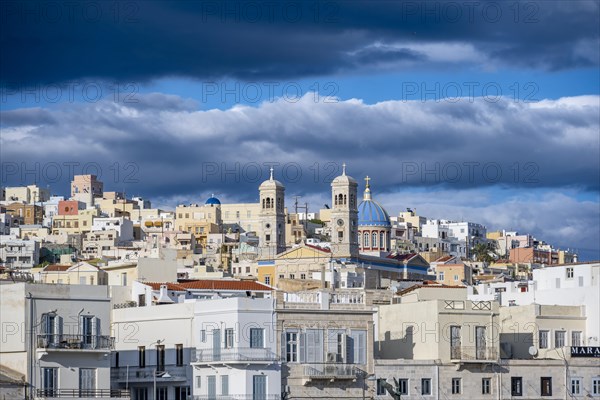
{"x":331,"y":357}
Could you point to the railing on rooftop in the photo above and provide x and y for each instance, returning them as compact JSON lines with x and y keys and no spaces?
{"x":331,"y":371}
{"x":473,"y":353}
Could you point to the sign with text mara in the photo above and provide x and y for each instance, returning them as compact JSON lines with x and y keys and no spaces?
{"x":585,"y":351}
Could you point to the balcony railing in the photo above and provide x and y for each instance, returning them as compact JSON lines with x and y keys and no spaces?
{"x":80,"y":393}
{"x":331,"y":371}
{"x":84,"y":342}
{"x":146,"y":374}
{"x":473,"y":353}
{"x":238,"y":397}
{"x":240,"y":354}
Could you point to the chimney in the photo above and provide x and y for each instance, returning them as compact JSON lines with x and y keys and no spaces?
{"x":163,"y":297}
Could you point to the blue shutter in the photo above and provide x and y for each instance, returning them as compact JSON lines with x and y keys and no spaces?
{"x":349,"y":349}
{"x":225,"y":385}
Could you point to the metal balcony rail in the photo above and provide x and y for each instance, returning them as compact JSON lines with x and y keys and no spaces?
{"x":331,"y":371}
{"x":79,"y":393}
{"x":87,"y":342}
{"x":236,"y":354}
{"x":471,"y":353}
{"x":176,"y":372}
{"x":239,"y":397}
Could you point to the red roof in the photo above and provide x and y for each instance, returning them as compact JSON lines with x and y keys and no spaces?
{"x":444,"y":258}
{"x":225,"y":285}
{"x":57,"y":267}
{"x":326,"y":250}
{"x":211,"y":284}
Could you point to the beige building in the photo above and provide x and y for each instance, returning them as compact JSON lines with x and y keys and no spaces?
{"x":542,"y":331}
{"x":326,"y":341}
{"x":81,"y":273}
{"x":74,"y":224}
{"x":439,"y":323}
{"x":454,"y":274}
{"x":27,"y":194}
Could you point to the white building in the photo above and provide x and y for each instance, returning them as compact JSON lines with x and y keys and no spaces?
{"x":19,"y":254}
{"x":123,"y":226}
{"x":31,"y":194}
{"x":568,"y":285}
{"x":57,"y":338}
{"x":51,"y":209}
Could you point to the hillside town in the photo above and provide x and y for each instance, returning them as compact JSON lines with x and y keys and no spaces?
{"x":105,"y":297}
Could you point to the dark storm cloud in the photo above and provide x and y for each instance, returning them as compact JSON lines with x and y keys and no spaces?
{"x":550,"y":144}
{"x":45,"y":42}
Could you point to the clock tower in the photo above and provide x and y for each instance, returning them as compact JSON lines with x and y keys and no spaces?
{"x":344,"y":216}
{"x":271,"y":239}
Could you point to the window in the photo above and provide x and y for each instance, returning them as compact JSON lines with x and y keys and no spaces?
{"x":259,"y":387}
{"x":486,"y":385}
{"x":380,"y":387}
{"x":87,"y":381}
{"x":182,"y":392}
{"x":455,"y":342}
{"x":440,"y":276}
{"x":267,"y":280}
{"x":596,"y":386}
{"x":576,"y":338}
{"x":257,"y":338}
{"x":426,"y":386}
{"x":211,"y":386}
{"x":179,"y":354}
{"x":302,"y":276}
{"x":161,"y":393}
{"x":516,"y":386}
{"x":160,"y":358}
{"x":268,"y":238}
{"x":357,"y":341}
{"x":455,"y":278}
{"x":543,"y":335}
{"x":291,"y":339}
{"x":141,"y":356}
{"x":229,"y":338}
{"x":480,"y":342}
{"x":281,"y":276}
{"x":374,"y":239}
{"x":292,"y":276}
{"x":455,"y":385}
{"x":570,"y":273}
{"x":140,"y":393}
{"x":559,"y":339}
{"x":403,"y":386}
{"x":575,"y":386}
{"x":198,"y":382}
{"x":50,"y":381}
{"x":87,"y":329}
{"x":366,"y":239}
{"x":546,"y":386}
{"x":225,"y":385}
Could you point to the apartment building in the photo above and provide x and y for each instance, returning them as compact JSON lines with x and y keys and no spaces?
{"x":58,"y":338}
{"x":30,"y":194}
{"x":18,"y":253}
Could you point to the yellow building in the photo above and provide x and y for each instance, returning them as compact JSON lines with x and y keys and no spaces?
{"x":81,"y":273}
{"x":74,"y":224}
{"x":454,"y":274}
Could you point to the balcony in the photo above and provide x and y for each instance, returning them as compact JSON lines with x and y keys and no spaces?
{"x":237,"y":355}
{"x":75,"y":342}
{"x":474,"y":354}
{"x":177,"y":373}
{"x":82,"y":393}
{"x":330,"y":372}
{"x":239,"y":397}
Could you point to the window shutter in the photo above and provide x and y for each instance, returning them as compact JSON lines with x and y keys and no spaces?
{"x":302,"y":347}
{"x":225,"y":385}
{"x":58,"y":329}
{"x":283,"y":346}
{"x":349,"y":349}
{"x":44,"y":324}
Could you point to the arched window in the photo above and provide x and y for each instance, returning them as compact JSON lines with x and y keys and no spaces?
{"x":366,"y":239}
{"x":345,"y":200}
{"x":341,"y":199}
{"x":382,"y":240}
{"x":268,"y":202}
{"x":374,"y":240}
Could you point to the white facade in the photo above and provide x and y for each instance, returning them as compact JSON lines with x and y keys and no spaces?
{"x":122,"y":225}
{"x":57,"y":337}
{"x":19,"y":254}
{"x":236,"y":349}
{"x":568,"y":285}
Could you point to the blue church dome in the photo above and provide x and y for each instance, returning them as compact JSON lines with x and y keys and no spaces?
{"x":370,"y":213}
{"x":213,"y":201}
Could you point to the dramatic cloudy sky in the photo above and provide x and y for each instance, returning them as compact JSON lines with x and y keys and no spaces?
{"x":483,"y":111}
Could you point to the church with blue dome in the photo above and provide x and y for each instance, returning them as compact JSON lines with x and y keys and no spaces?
{"x":212,"y":201}
{"x":374,"y":225}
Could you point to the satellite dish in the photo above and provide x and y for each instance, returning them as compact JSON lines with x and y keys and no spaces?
{"x":533,"y":351}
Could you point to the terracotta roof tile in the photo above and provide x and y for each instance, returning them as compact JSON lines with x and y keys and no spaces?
{"x":56,"y":268}
{"x":225,"y":285}
{"x":170,"y":286}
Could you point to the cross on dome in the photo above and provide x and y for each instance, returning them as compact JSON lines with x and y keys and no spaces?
{"x":271,"y":178}
{"x":344,"y":169}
